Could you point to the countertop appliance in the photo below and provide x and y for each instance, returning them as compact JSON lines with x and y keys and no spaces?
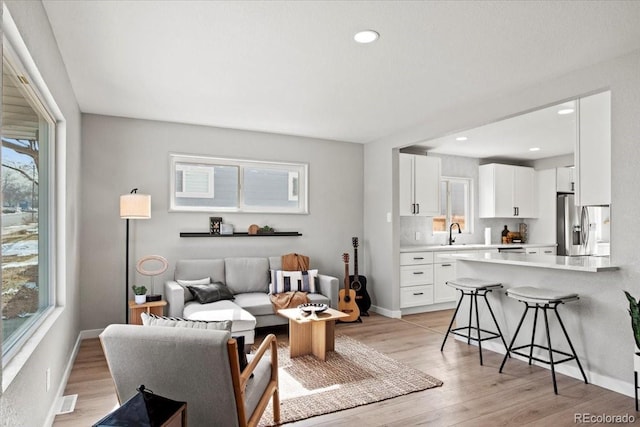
{"x":581,"y":230}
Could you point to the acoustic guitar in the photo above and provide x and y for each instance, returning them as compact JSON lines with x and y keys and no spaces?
{"x":347,"y":296}
{"x":359,"y":283}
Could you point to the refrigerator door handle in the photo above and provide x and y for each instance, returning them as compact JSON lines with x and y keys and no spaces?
{"x":584,"y":226}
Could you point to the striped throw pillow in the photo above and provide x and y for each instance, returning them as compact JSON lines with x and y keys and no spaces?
{"x":288,"y":281}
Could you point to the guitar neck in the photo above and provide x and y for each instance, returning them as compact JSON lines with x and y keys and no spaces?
{"x":355,"y":261}
{"x":346,"y":276}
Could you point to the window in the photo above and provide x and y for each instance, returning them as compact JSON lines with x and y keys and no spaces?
{"x":211,"y":184}
{"x":455,"y":205}
{"x":27,"y":143}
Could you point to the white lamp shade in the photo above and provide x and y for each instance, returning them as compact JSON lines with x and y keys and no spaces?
{"x":135,"y":206}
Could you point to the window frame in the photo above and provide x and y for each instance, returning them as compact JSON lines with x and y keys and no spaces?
{"x":33,"y":87}
{"x":469,"y":223}
{"x":302,"y":196}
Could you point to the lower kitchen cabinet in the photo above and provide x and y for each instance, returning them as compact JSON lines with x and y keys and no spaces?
{"x":443,"y":271}
{"x":423,"y":277}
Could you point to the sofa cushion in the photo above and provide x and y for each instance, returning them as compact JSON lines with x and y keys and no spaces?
{"x":211,"y":292}
{"x":188,"y":295}
{"x":247,"y":274}
{"x":177,"y":322}
{"x":287,"y":281}
{"x":319,"y":299}
{"x":241,"y":319}
{"x":195,"y":269}
{"x":256,"y":303}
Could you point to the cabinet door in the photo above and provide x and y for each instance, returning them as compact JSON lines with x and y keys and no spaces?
{"x":504,"y":185}
{"x":427,"y":185}
{"x":564,"y":180}
{"x":442,"y":273}
{"x":593,"y":151}
{"x":524,"y":192}
{"x":406,"y":184}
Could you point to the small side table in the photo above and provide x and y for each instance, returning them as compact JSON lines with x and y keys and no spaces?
{"x":135,"y":310}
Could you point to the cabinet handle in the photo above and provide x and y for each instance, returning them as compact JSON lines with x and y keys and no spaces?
{"x":418,"y":205}
{"x":418,"y":258}
{"x":418,"y":272}
{"x":514,"y":211}
{"x":573,"y":186}
{"x":418,"y":293}
{"x":548,"y":252}
{"x":446,"y":265}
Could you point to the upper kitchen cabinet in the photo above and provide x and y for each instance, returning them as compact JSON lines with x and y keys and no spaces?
{"x":506,"y":191}
{"x":565,"y":182}
{"x":419,"y":185}
{"x":593,"y":151}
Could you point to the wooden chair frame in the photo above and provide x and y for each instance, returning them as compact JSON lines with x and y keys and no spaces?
{"x":240,"y":381}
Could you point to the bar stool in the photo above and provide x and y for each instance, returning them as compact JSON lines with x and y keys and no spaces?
{"x":473,"y":288}
{"x":542,"y":299}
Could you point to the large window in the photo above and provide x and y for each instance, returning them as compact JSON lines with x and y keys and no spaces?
{"x":211,"y":184}
{"x":455,"y":205}
{"x":27,"y":141}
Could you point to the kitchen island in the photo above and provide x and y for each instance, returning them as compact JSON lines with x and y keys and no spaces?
{"x":596,"y":322}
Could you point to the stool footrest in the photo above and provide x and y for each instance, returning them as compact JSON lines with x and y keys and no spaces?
{"x":542,"y":347}
{"x":492,"y":335}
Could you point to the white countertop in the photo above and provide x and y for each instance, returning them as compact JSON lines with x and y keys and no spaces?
{"x":591,"y":264}
{"x":472,"y":246}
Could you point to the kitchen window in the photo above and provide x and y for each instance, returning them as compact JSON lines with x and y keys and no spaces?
{"x":455,"y":205}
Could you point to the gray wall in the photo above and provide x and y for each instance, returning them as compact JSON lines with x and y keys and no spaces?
{"x":121,"y":154}
{"x":25,"y":402}
{"x":622,"y":77}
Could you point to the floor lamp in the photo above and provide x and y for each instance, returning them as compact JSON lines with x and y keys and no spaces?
{"x":132,"y":206}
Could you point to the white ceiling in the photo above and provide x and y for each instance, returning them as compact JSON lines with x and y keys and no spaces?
{"x":292,"y":67}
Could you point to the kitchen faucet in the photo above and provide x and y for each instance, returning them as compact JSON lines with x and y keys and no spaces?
{"x":451,"y":238}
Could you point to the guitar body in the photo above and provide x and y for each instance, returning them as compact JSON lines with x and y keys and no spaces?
{"x":347,"y":305}
{"x":347,"y":296}
{"x":359,"y":283}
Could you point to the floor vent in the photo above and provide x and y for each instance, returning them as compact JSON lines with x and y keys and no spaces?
{"x":67,"y":404}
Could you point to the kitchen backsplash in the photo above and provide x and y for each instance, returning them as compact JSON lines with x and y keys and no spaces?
{"x":409,"y":225}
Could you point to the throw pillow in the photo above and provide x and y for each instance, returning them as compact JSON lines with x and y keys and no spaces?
{"x":288,"y":281}
{"x":211,"y":292}
{"x":178,"y":322}
{"x":188,"y":296}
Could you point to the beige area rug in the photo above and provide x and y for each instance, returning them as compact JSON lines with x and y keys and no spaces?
{"x":353,"y":375}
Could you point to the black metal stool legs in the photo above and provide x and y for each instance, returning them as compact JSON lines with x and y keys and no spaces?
{"x":551,"y":362}
{"x":453,"y":318}
{"x":473,"y":301}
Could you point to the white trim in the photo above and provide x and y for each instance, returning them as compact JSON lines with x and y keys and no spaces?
{"x":55,"y":405}
{"x":428,"y":308}
{"x":90,"y":333}
{"x":569,"y":369}
{"x":394,"y":314}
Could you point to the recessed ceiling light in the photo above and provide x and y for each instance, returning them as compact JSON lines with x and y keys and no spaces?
{"x":534,"y":149}
{"x":366,"y":36}
{"x":565,"y":111}
{"x":461,"y":138}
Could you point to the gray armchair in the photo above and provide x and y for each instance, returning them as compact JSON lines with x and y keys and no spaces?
{"x":200,"y":367}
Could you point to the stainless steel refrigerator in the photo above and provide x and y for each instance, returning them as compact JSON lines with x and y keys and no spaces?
{"x":582,"y":230}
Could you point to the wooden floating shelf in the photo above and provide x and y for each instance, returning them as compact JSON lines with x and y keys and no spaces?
{"x":277,"y":233}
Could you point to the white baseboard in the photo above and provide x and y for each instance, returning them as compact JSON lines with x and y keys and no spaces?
{"x":394,"y":314}
{"x":53,"y":410}
{"x":569,"y":369}
{"x":428,"y":308}
{"x":90,"y":333}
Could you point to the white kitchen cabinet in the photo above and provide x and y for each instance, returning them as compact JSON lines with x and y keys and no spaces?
{"x":419,"y":185}
{"x":416,"y":279}
{"x":443,"y":271}
{"x":593,"y":151}
{"x":565,"y":182}
{"x":506,"y":191}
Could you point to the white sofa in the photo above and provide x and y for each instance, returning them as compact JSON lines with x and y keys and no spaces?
{"x":248,"y":279}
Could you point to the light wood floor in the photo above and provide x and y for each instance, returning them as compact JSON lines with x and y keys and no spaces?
{"x":472,"y":395}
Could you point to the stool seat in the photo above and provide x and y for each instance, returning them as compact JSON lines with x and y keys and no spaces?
{"x":471,"y":283}
{"x":540,"y":295}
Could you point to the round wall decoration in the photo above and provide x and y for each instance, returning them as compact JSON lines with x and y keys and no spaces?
{"x":163,"y":265}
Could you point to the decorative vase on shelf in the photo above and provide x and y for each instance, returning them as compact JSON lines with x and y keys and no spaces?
{"x":140,"y":299}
